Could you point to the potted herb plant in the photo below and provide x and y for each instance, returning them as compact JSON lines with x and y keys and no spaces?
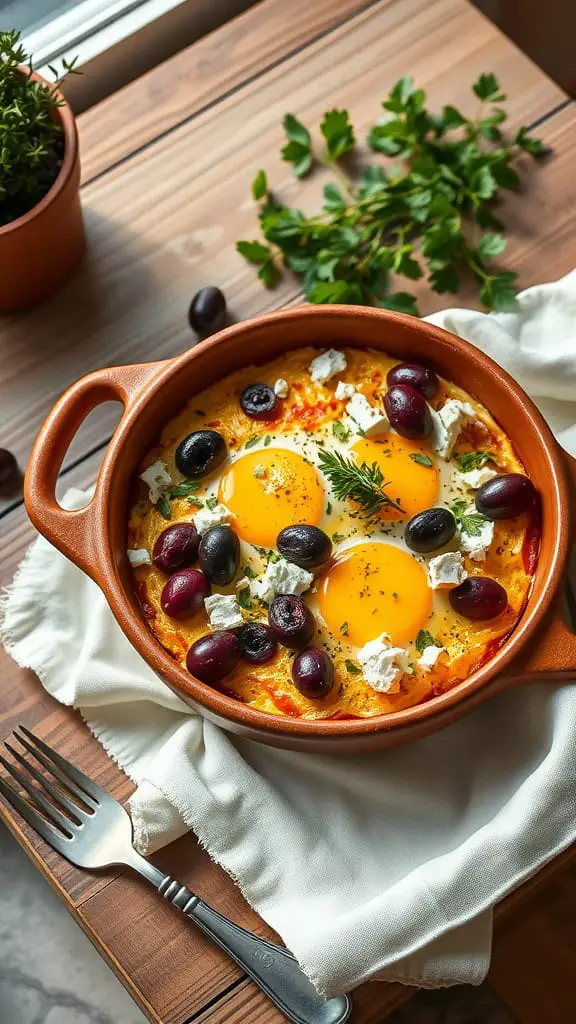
{"x":41,"y":229}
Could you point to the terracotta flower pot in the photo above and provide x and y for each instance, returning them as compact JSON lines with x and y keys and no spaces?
{"x":41,"y":250}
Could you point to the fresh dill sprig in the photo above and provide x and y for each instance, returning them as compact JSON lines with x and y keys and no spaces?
{"x":361,"y":483}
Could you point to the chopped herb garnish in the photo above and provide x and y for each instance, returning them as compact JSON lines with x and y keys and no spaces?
{"x":273,"y":556}
{"x":328,"y":508}
{"x":363,"y":484}
{"x":195,"y":501}
{"x":185,"y":488}
{"x":267,"y":440}
{"x":244,"y":599}
{"x":353,"y":669}
{"x":394,"y":594}
{"x":249,"y":572}
{"x":339,"y":431}
{"x":424,"y":640}
{"x":419,"y":219}
{"x":252,"y":441}
{"x":163,"y":507}
{"x":469,"y":522}
{"x":344,"y":629}
{"x":338,"y":537}
{"x":211,"y":502}
{"x":472,"y":460}
{"x":422,"y":460}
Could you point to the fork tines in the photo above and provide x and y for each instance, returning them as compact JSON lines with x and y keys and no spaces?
{"x":53,"y":810}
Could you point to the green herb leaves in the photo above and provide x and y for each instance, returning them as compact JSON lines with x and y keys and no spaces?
{"x":468,"y":461}
{"x":411,"y":221}
{"x":163,"y":507}
{"x":352,"y":668}
{"x":470,"y":522}
{"x":298,"y":149}
{"x":424,"y":640}
{"x":422,"y":460}
{"x":338,"y":132}
{"x":30,"y":135}
{"x":362,"y":484}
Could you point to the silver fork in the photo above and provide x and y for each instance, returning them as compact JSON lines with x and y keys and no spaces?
{"x":92,"y":830}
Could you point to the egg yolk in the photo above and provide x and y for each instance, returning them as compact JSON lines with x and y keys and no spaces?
{"x":375,"y":588}
{"x":268,"y":490}
{"x":410,"y":483}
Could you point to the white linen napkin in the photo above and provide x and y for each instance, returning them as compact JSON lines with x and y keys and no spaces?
{"x":383,"y":865}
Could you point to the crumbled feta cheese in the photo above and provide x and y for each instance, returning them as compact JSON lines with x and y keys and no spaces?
{"x":205,"y":518}
{"x":281,"y":388}
{"x":138,"y":556}
{"x":476,"y":546}
{"x":259,"y":472}
{"x":326,"y":365}
{"x":281,"y":577}
{"x":157,"y":477}
{"x":476,"y":477}
{"x":430,"y":656}
{"x":223,"y":611}
{"x":344,"y":390}
{"x":446,"y":570}
{"x":242,"y":584}
{"x":448,"y":423}
{"x":370,"y":419}
{"x":382,"y":664}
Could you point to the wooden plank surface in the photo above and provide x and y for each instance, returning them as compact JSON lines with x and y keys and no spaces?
{"x":164,"y":223}
{"x":200,"y":75}
{"x":161,"y":224}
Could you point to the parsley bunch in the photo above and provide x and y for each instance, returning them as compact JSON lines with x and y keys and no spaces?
{"x":411,"y":220}
{"x":31,"y":139}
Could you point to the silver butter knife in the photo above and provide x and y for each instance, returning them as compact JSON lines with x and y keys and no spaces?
{"x":92,"y":830}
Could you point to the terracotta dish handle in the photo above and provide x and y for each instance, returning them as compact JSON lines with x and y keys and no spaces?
{"x":74,"y":533}
{"x":553,"y":650}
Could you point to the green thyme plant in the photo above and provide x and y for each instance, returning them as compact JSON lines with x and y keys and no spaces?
{"x":31,"y":138}
{"x":432,"y":214}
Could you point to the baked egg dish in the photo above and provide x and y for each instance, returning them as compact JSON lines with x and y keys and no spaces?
{"x":333,"y":534}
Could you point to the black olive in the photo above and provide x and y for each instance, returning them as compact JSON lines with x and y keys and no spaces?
{"x":207,"y":312}
{"x":200,"y":453}
{"x":420,"y":377}
{"x":260,"y":402}
{"x":219,"y":555}
{"x":430,"y":530}
{"x":306,"y":546}
{"x":313,"y":673}
{"x":9,"y":472}
{"x":257,"y":642}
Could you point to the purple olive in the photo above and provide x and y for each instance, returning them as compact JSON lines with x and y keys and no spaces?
{"x":183,"y":594}
{"x":407,"y":411}
{"x":479,"y":598}
{"x":506,"y":496}
{"x":213,"y":656}
{"x":420,"y":377}
{"x":313,"y":673}
{"x":306,"y":546}
{"x":260,"y":402}
{"x":176,"y":547}
{"x":291,"y":620}
{"x":207,"y":312}
{"x":219,"y":555}
{"x":9,"y":471}
{"x":257,"y":642}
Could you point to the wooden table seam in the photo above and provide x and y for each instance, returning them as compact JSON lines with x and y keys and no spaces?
{"x":249,"y":80}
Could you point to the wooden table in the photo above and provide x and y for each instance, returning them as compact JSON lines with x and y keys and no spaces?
{"x":167,"y":165}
